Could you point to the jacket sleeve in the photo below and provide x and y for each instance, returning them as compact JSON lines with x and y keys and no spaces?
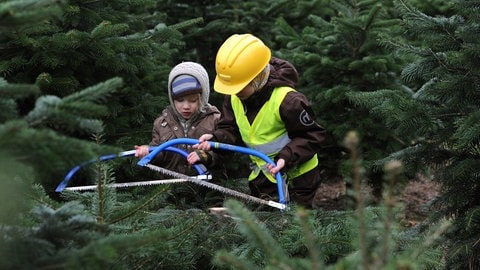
{"x":305,"y":133}
{"x":215,"y":157}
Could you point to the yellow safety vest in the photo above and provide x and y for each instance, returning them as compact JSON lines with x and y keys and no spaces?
{"x":267,"y":134}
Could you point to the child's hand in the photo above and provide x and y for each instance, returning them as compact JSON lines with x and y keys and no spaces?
{"x":141,"y":151}
{"x":203,"y":143}
{"x":193,"y":158}
{"x":199,"y":156}
{"x":275,"y":169}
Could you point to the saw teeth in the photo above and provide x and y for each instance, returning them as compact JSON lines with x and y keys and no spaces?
{"x":217,"y":187}
{"x":130,"y":184}
{"x":199,"y":180}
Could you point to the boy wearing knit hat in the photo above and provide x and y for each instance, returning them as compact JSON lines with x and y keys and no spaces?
{"x":189,"y":115}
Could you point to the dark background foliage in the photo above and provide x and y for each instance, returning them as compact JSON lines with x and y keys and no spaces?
{"x":80,"y":79}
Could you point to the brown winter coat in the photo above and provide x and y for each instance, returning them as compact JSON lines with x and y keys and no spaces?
{"x":168,"y":126}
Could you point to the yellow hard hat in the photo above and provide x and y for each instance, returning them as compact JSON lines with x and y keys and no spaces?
{"x":239,"y":60}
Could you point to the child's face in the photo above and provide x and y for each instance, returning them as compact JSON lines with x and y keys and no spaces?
{"x":246,"y":92}
{"x":187,"y":105}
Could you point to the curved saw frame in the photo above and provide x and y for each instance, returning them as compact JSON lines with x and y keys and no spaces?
{"x":201,"y":170}
{"x":222,"y":146}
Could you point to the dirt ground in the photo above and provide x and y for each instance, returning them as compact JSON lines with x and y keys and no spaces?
{"x":331,"y":196}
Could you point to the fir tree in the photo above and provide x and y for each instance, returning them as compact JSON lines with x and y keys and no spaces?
{"x":338,"y":52}
{"x":64,"y":47}
{"x":38,"y":135}
{"x":329,"y":240}
{"x":440,"y":115}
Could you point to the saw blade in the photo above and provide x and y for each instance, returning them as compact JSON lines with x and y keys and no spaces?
{"x":216,"y":187}
{"x":129,"y":184}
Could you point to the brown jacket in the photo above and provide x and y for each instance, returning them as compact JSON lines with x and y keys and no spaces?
{"x":168,"y":126}
{"x":305,"y":134}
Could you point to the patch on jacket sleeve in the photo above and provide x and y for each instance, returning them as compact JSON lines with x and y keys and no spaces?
{"x":305,"y":118}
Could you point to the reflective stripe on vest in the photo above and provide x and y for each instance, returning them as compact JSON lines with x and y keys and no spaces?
{"x":267,"y":134}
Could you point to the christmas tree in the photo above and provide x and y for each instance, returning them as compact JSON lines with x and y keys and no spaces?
{"x":439,"y":114}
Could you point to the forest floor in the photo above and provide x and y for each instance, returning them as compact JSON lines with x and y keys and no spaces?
{"x":416,"y":195}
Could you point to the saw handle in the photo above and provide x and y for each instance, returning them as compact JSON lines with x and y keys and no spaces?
{"x":222,"y":146}
{"x":200,"y":168}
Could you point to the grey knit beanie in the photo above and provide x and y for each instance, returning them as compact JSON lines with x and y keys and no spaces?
{"x":193,"y":69}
